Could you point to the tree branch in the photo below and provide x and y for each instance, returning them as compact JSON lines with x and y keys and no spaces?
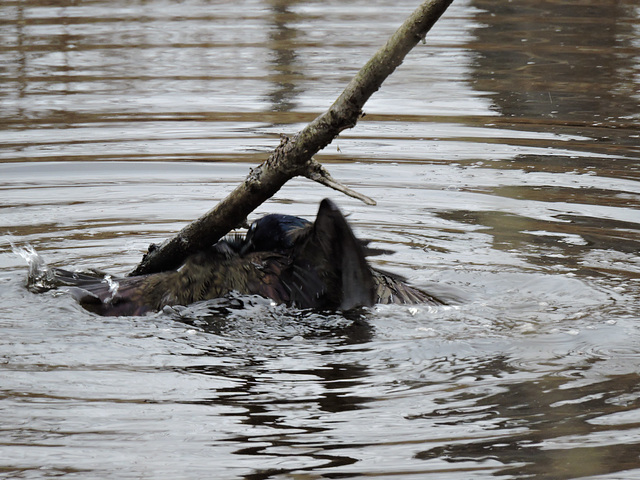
{"x":316,"y":172}
{"x":293,"y":157}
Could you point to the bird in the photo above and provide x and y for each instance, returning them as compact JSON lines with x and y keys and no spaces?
{"x":317,"y":265}
{"x":277,"y":232}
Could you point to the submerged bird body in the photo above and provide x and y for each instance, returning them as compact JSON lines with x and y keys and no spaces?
{"x":212,"y":273}
{"x":319,"y":265}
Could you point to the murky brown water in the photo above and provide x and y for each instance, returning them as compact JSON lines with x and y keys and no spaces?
{"x":505,"y":157}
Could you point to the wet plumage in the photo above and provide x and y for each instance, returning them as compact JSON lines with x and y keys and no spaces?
{"x":277,"y":232}
{"x":319,"y":265}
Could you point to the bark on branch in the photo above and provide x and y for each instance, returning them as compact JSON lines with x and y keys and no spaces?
{"x":293,"y":156}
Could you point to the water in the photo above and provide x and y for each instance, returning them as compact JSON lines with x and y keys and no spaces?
{"x":504,"y":155}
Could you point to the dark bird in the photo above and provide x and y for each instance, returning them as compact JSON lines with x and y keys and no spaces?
{"x":319,"y":265}
{"x":279,"y":233}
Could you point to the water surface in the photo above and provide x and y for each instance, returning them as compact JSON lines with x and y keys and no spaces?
{"x":504,"y":155}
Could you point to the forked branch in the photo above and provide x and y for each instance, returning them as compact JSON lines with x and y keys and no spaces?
{"x":293,"y":156}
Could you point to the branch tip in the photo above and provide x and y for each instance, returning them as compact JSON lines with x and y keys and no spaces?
{"x":316,"y":172}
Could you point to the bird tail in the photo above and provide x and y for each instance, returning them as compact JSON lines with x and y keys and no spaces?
{"x":392,"y":288}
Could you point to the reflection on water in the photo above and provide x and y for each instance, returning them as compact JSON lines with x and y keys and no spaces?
{"x":576,"y":75}
{"x":569,"y":429}
{"x":504,"y":155}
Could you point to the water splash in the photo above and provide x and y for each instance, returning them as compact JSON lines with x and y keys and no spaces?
{"x":42,"y":278}
{"x":39,"y":277}
{"x":113,"y":288}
